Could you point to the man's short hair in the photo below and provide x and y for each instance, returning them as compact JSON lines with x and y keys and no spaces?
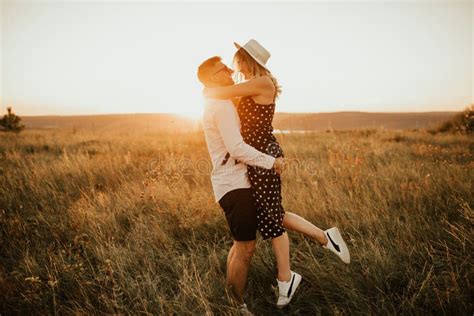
{"x":204,"y":70}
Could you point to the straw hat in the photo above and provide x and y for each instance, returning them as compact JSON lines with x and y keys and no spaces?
{"x":257,"y":51}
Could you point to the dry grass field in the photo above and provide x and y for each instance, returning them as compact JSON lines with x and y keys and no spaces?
{"x":124,"y":222}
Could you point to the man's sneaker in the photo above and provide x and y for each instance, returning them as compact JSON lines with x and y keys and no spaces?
{"x":336,"y":244}
{"x":287,"y":289}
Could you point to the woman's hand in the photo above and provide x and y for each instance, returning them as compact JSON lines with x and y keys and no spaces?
{"x":279,"y":165}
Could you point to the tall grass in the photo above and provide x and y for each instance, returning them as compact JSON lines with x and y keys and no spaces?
{"x":126,"y":223}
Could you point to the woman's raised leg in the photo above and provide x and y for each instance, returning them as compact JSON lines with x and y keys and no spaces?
{"x":297,"y":223}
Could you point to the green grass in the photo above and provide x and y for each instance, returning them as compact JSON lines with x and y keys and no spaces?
{"x":126,"y":223}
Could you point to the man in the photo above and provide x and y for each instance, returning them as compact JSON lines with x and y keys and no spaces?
{"x":230,"y":154}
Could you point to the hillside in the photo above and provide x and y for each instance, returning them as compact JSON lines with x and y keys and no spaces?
{"x":283,"y":121}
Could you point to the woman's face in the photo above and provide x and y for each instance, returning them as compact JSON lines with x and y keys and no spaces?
{"x":242,"y":67}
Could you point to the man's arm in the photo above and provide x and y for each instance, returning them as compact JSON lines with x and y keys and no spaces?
{"x":227,"y":124}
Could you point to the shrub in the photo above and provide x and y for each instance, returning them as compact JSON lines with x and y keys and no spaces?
{"x":462,"y":122}
{"x":11,"y":122}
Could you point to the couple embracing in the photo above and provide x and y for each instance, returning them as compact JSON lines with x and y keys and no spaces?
{"x":247,"y":162}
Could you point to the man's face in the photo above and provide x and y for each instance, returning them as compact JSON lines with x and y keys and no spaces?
{"x":221,"y":74}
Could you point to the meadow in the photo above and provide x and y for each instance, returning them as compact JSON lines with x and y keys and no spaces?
{"x":124,"y":222}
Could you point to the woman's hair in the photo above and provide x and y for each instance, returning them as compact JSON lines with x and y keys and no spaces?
{"x":255,"y":68}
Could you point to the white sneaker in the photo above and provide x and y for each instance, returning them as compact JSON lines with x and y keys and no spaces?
{"x":287,"y":289}
{"x":336,"y":244}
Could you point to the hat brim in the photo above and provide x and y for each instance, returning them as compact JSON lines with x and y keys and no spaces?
{"x":238,"y":46}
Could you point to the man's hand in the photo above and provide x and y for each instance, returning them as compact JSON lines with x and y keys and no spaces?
{"x":279,"y":165}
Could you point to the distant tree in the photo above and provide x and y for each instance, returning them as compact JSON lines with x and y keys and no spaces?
{"x":11,"y":122}
{"x":462,"y":122}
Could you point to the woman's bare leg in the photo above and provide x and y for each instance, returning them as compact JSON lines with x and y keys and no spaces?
{"x":297,"y":223}
{"x":281,"y":248}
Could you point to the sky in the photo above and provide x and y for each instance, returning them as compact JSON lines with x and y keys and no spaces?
{"x":91,"y":57}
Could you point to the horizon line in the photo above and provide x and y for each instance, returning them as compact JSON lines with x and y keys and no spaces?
{"x":277,"y":112}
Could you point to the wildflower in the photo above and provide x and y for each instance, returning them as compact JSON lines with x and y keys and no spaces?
{"x":52,"y":282}
{"x":33,"y":279}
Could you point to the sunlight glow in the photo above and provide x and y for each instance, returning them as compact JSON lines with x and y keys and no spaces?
{"x":191,"y":114}
{"x":141,"y":57}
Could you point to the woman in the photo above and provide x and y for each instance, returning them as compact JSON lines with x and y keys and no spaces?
{"x":256,"y":108}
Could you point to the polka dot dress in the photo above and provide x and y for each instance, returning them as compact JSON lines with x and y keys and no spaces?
{"x":256,"y":120}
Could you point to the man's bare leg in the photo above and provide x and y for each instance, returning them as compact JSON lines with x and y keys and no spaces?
{"x":297,"y":223}
{"x":229,"y":259}
{"x":240,"y":256}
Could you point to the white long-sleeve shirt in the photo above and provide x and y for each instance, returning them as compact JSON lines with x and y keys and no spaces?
{"x":222,"y":129}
